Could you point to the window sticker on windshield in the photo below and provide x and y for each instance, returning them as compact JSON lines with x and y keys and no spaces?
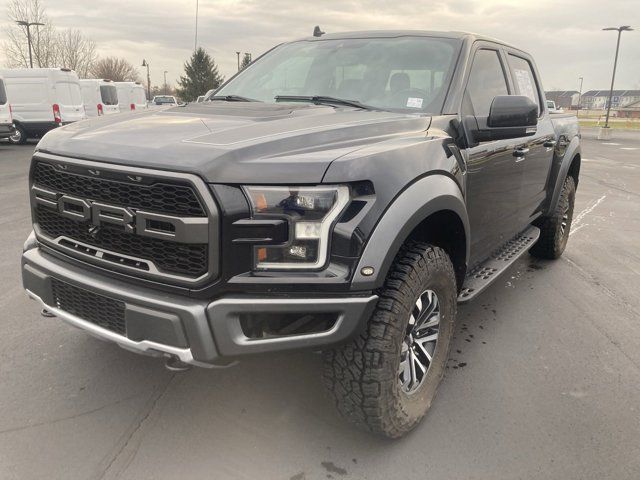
{"x":414,"y":102}
{"x":525,"y":85}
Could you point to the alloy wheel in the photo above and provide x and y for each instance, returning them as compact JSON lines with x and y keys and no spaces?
{"x":419,"y":344}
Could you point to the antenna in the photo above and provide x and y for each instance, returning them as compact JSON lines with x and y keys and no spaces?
{"x":317,"y":32}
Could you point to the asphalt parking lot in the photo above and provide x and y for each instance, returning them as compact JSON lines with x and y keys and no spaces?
{"x":544,"y":380}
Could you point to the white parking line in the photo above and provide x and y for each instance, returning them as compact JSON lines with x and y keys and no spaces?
{"x":576,"y":222}
{"x":628,"y":148}
{"x":610,"y":143}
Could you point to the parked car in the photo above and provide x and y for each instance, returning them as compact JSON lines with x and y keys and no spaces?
{"x":131,"y":96}
{"x":551,"y":105}
{"x":100,"y":97}
{"x":164,"y":100}
{"x":6,"y":119}
{"x":42,"y":99}
{"x":343,"y":194}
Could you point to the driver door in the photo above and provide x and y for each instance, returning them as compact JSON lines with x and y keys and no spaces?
{"x":495,"y":173}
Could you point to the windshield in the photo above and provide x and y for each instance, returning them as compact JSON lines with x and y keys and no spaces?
{"x":403,"y":73}
{"x":3,"y":94}
{"x":163,"y":100}
{"x":109,"y":94}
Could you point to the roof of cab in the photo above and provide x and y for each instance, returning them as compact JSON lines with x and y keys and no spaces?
{"x":407,"y":33}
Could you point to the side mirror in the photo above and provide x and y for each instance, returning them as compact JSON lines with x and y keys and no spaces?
{"x":510,"y":116}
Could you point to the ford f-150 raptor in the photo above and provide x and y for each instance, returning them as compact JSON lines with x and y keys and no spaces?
{"x":342,"y":193}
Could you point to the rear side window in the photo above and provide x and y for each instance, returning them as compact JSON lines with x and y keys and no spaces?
{"x":109,"y":94}
{"x":486,"y":81}
{"x":139,"y":96}
{"x":68,"y":93}
{"x":3,"y":94}
{"x":524,"y":79}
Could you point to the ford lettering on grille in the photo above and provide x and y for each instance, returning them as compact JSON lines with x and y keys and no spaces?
{"x":189,"y":230}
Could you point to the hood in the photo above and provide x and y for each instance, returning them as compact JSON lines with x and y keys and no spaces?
{"x":232,"y":142}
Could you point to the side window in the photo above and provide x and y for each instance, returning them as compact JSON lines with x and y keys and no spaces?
{"x":486,"y":81}
{"x":524,"y":79}
{"x":3,"y":94}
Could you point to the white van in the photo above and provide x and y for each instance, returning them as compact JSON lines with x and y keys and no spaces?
{"x":6,"y":120}
{"x":131,"y":96}
{"x":100,"y":97}
{"x":42,"y":99}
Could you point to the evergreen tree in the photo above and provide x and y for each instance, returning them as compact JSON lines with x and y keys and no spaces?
{"x":201,"y":75}
{"x":246,"y":61}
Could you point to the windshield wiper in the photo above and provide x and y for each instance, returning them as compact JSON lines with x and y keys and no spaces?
{"x":230,"y":98}
{"x":322,"y":99}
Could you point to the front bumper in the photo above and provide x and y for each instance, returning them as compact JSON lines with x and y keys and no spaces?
{"x":197,"y":332}
{"x":6,"y":130}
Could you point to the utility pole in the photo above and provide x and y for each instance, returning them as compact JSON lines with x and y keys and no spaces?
{"x":238,"y":55}
{"x":146,"y":64}
{"x":29,"y":25}
{"x":165,"y":82}
{"x":579,"y":97}
{"x":624,"y":28}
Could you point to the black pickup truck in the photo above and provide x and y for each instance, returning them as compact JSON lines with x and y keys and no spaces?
{"x":343,"y":193}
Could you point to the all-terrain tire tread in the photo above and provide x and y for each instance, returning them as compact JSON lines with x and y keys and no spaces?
{"x":355,"y":373}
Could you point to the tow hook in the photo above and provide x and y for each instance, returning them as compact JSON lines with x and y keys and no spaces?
{"x":46,"y":313}
{"x":174,"y":364}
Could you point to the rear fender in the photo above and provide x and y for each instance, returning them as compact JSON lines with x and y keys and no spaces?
{"x":571,"y":151}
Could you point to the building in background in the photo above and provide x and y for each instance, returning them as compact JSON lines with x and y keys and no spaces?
{"x":597,"y":99}
{"x":631,"y":110}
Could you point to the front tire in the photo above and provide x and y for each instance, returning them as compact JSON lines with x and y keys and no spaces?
{"x":19,"y":137}
{"x":386,"y":378}
{"x":555,"y":229}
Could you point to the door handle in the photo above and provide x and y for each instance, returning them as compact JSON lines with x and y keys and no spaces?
{"x":520,"y":153}
{"x":549,"y":144}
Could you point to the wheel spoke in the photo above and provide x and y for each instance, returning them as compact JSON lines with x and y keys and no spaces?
{"x":429,"y":338}
{"x":418,"y":367}
{"x":424,"y":351}
{"x":405,"y":372}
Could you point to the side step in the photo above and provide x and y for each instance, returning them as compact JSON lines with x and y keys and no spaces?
{"x":484,"y":274}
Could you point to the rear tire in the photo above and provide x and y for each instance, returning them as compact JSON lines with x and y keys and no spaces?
{"x":554,"y":230}
{"x":370,"y":378}
{"x":18,"y":138}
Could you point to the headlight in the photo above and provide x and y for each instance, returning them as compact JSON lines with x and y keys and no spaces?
{"x":310,"y":212}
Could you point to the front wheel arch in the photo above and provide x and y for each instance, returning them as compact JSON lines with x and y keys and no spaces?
{"x":415,"y":214}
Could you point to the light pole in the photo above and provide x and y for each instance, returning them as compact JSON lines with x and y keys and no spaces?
{"x":238,"y":55}
{"x":146,"y":64}
{"x":29,"y":25}
{"x":195,"y":46}
{"x":624,"y":28}
{"x":579,"y":96}
{"x":165,"y":82}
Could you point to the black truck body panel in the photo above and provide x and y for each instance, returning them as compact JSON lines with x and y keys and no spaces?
{"x":403,"y":170}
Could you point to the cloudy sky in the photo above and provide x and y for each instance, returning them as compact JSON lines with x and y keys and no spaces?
{"x":564,"y":36}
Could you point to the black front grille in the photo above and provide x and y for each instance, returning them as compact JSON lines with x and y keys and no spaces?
{"x":169,"y":257}
{"x":97,"y":309}
{"x":160,"y":197}
{"x":151,"y":256}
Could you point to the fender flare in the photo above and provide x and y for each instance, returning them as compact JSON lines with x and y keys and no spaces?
{"x":428,"y":195}
{"x":573,"y":149}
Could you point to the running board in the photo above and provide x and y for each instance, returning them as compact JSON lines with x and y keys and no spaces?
{"x":484,"y":274}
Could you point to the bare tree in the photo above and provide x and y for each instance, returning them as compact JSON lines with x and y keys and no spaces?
{"x":76,"y":52}
{"x":116,"y":69}
{"x":44,"y":39}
